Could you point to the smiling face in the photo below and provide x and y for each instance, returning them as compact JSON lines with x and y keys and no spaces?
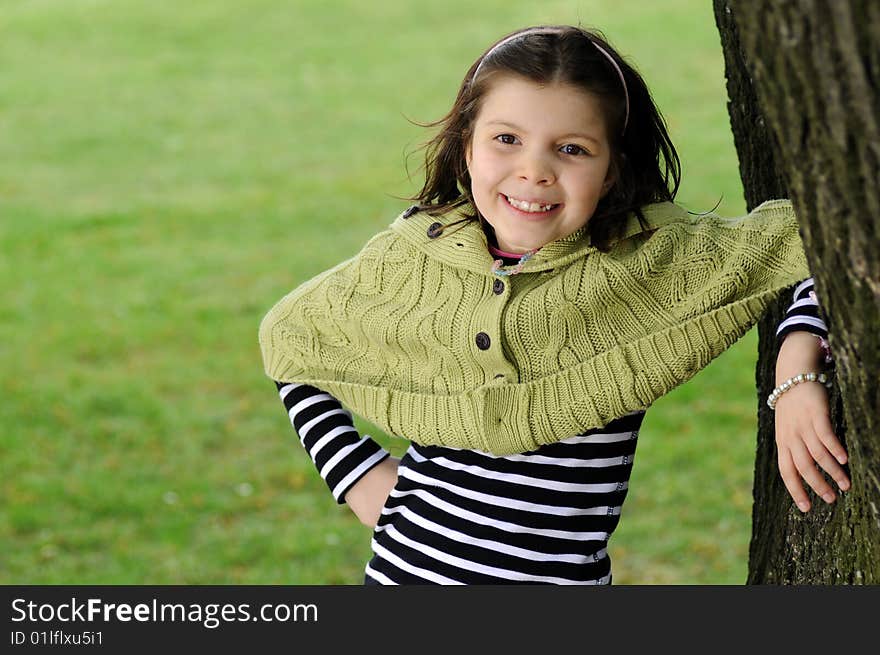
{"x":538,"y":161}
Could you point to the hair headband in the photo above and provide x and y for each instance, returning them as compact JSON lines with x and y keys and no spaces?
{"x":545,"y":30}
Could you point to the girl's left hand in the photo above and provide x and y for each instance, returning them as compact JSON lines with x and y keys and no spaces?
{"x":805,"y":438}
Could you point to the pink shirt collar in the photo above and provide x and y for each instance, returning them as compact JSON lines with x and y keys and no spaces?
{"x":500,"y":253}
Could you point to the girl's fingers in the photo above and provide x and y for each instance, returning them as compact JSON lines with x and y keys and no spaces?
{"x":824,"y":458}
{"x":806,"y":466}
{"x":792,"y":480}
{"x":823,"y":427}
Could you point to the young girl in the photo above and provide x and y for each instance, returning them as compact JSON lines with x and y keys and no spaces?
{"x":516,"y":323}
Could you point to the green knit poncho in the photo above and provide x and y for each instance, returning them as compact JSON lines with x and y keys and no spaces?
{"x":418,"y":336}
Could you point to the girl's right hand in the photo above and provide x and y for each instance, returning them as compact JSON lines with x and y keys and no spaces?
{"x":368,"y":495}
{"x":804,"y":438}
{"x":804,"y":434}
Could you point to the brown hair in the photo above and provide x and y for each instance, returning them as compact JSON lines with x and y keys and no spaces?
{"x":644,"y":163}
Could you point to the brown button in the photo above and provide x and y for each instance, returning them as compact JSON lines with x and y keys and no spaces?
{"x":434,"y":230}
{"x":483,"y":341}
{"x":412,"y":210}
{"x":498,"y":287}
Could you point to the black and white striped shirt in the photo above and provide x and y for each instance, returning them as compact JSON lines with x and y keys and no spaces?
{"x":803,"y":313}
{"x":469,"y":517}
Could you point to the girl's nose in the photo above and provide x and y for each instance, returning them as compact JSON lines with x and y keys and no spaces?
{"x":536,"y":169}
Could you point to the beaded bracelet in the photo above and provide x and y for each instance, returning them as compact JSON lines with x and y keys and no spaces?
{"x":797,"y":379}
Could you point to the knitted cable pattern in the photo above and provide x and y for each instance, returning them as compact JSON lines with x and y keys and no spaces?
{"x":575,"y":340}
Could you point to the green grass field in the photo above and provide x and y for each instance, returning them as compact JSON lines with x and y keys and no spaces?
{"x":168,"y":170}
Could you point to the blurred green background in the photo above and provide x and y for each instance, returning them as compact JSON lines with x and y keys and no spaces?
{"x":168,"y":170}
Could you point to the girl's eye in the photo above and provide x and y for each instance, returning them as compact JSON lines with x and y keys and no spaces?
{"x":508,"y":139}
{"x":572,"y":149}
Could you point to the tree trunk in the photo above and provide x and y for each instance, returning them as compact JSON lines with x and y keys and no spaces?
{"x":802,"y":78}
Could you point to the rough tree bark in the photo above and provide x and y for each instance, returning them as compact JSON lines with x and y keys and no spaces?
{"x":802,"y":78}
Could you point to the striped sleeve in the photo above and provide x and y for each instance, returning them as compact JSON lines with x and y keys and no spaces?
{"x":326,"y":430}
{"x":803,"y":314}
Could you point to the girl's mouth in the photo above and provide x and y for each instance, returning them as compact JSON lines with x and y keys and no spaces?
{"x":530,"y":209}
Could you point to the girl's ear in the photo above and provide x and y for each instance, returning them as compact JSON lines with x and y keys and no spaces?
{"x":611,"y":177}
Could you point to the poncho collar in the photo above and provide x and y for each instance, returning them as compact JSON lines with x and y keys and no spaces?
{"x":463,"y":244}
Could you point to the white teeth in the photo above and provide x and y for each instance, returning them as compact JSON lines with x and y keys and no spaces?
{"x":533,"y":207}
